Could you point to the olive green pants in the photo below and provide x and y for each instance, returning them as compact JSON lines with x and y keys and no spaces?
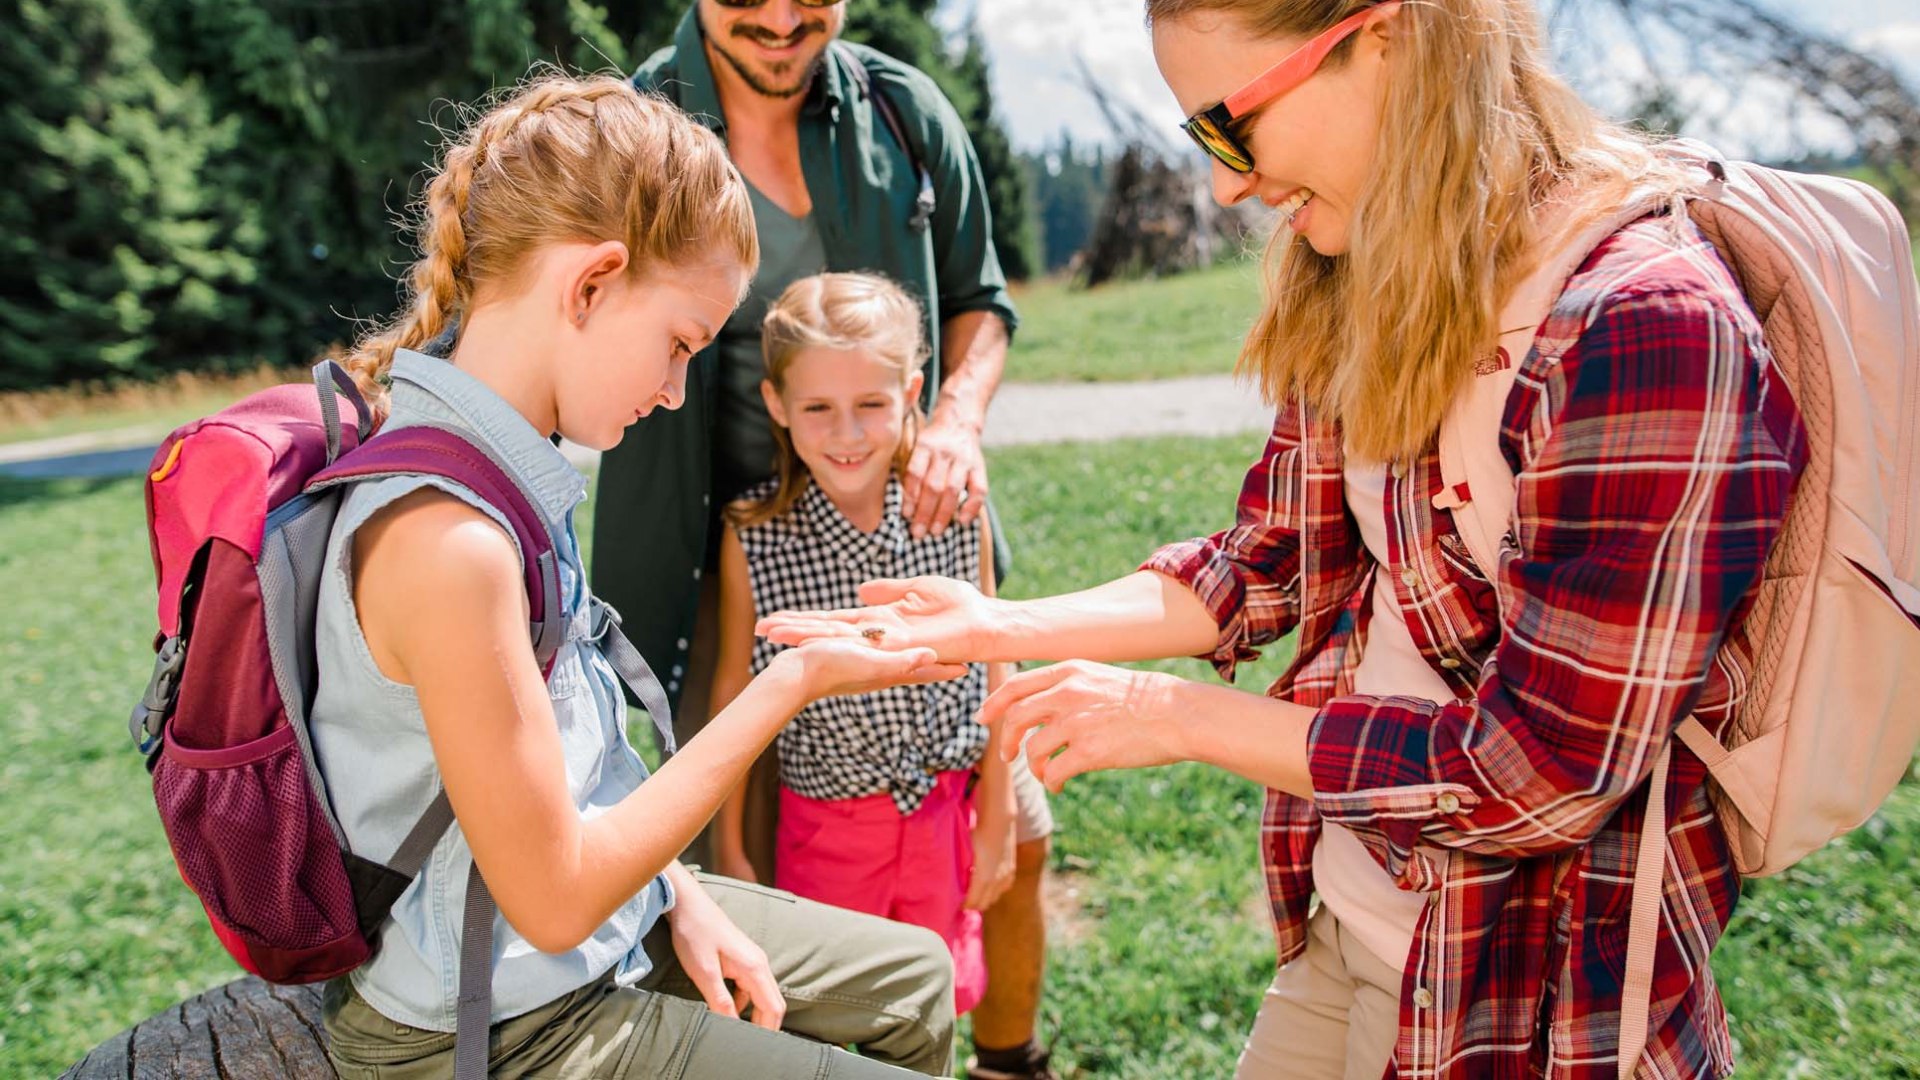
{"x":848,"y":979}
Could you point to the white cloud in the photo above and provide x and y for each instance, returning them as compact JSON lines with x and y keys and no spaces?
{"x":1032,"y":44}
{"x":1897,"y":42}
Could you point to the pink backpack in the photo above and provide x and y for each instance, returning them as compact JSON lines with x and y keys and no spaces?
{"x":1829,"y":724}
{"x":240,"y":508}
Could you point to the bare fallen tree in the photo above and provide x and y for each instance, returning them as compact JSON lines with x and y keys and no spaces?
{"x":1158,"y":216}
{"x":1744,"y":47}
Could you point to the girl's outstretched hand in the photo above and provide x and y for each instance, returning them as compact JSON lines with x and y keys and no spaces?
{"x":1086,"y":716}
{"x":832,"y":666}
{"x":944,"y":614}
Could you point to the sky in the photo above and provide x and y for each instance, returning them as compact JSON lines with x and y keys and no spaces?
{"x":1032,"y":42}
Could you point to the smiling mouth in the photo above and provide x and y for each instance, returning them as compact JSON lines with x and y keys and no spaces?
{"x":846,"y":462}
{"x":1293,"y":203}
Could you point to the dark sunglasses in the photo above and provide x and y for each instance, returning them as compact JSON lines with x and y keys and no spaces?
{"x":744,"y":4}
{"x":1212,"y":128}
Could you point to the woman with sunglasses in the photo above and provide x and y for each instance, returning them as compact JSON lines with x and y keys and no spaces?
{"x":1458,"y":760}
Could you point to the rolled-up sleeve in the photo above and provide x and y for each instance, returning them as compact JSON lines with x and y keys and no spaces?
{"x":1656,"y":460}
{"x":1248,"y":576}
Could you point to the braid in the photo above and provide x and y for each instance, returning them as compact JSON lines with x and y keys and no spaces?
{"x":439,"y":285}
{"x":560,"y":160}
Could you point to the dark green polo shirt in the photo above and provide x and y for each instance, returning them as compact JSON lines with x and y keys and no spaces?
{"x":654,"y":512}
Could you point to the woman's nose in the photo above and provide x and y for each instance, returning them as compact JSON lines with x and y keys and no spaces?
{"x":1230,"y":187}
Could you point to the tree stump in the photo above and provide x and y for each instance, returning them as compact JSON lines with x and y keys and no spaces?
{"x":246,"y":1028}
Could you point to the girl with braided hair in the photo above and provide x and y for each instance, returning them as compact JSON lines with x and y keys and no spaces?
{"x":586,"y":240}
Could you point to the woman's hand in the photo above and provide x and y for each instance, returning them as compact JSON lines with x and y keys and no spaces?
{"x":713,"y":951}
{"x":1087,"y":716}
{"x":832,"y":666}
{"x":944,"y":614}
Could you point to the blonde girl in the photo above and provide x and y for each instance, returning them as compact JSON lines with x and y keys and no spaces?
{"x":1460,"y":756}
{"x":586,"y":241}
{"x":888,"y":804}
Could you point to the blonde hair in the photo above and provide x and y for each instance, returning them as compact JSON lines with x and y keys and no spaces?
{"x":1476,"y":132}
{"x":834,"y":311}
{"x":561,"y":159}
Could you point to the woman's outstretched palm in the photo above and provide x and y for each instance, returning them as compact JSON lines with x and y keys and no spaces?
{"x":944,"y":614}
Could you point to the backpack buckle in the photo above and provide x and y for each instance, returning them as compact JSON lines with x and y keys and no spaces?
{"x":149,"y":719}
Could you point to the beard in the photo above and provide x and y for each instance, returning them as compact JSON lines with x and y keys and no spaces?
{"x":781,"y":78}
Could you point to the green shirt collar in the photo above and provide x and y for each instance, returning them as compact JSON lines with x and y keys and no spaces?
{"x":701,"y":100}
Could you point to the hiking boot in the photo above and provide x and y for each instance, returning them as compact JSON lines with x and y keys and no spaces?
{"x":1038,"y":1066}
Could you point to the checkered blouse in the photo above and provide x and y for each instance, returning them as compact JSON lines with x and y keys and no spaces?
{"x":897,"y":740}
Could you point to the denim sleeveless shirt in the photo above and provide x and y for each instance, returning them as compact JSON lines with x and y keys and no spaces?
{"x":370,"y":741}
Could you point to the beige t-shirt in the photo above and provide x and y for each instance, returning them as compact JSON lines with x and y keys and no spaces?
{"x":1350,"y":882}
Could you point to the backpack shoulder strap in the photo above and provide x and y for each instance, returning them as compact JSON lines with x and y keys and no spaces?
{"x":1473,"y":469}
{"x":437,"y":451}
{"x":925,"y":202}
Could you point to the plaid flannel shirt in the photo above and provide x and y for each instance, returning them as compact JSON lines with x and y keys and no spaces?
{"x":1654,"y":451}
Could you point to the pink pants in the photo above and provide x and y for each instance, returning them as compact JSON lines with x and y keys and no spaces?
{"x":861,"y":854}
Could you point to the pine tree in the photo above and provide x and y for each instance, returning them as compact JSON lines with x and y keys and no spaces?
{"x":118,"y":254}
{"x":1008,"y":183}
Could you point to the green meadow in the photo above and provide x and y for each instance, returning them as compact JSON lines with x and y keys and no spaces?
{"x":1160,"y":942}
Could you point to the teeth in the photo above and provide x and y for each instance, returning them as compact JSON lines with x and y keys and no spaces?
{"x":1292,"y":206}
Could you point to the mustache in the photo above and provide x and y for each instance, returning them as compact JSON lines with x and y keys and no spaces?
{"x":763,"y":36}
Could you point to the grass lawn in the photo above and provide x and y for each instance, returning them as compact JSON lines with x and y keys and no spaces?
{"x":1161,"y":950}
{"x":1187,"y":325}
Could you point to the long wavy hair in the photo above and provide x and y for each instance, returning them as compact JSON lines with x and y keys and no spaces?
{"x":1476,"y":132}
{"x":862,"y":312}
{"x":561,"y":159}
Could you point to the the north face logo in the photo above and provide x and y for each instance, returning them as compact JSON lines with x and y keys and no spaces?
{"x":1498,"y":360}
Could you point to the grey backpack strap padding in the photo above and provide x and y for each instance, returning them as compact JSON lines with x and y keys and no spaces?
{"x":633,"y":670}
{"x":476,"y":981}
{"x":412,"y":853}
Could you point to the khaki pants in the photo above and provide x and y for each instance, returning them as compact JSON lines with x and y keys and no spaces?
{"x":882,"y":986}
{"x":1331,"y":1014}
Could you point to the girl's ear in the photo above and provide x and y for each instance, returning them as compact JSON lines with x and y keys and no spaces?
{"x":588,"y":275}
{"x":914,"y":382}
{"x":775,"y":407}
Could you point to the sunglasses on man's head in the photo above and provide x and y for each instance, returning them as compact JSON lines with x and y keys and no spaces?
{"x":1212,"y":128}
{"x":756,"y":3}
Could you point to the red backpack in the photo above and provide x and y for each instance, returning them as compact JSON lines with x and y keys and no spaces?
{"x":240,"y":508}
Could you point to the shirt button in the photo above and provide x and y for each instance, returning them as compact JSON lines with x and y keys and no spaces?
{"x":1446,"y":662}
{"x":1433,"y":898}
{"x":673,"y":687}
{"x":1422,"y":998}
{"x":1448,"y":802}
{"x":1409,"y":578}
{"x":1399,"y":469}
{"x":681,"y":644}
{"x":696,"y":573}
{"x":677,"y":670}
